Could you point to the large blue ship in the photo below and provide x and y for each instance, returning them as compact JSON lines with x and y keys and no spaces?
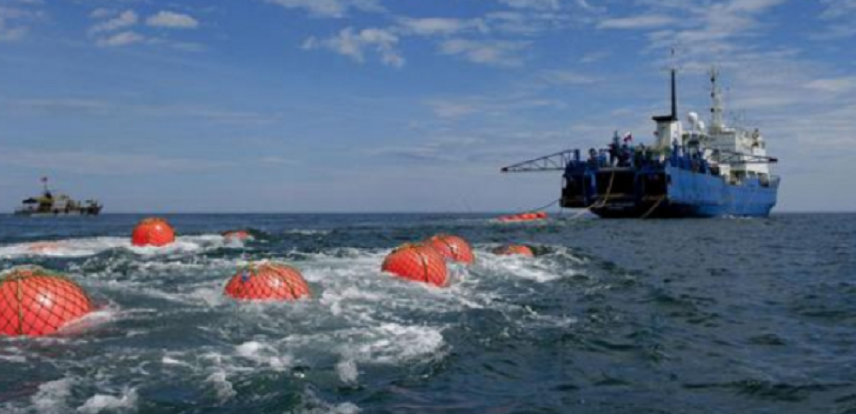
{"x":703,"y":171}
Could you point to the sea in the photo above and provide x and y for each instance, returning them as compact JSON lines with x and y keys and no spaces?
{"x":727,"y":315}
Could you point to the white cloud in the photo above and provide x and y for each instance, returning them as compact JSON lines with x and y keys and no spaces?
{"x":566,"y":77}
{"x":330,"y":8}
{"x":101,"y":13}
{"x":533,"y":4}
{"x":59,"y":105}
{"x":121,"y":39}
{"x":495,"y":53}
{"x":172,"y":20}
{"x":13,"y":23}
{"x":593,"y":57}
{"x":279,"y":161}
{"x":711,"y":30}
{"x":495,"y":105}
{"x":839,"y":18}
{"x":833,"y":85}
{"x":637,"y":22}
{"x":127,"y":19}
{"x":88,"y":162}
{"x":440,"y":26}
{"x":353,"y":44}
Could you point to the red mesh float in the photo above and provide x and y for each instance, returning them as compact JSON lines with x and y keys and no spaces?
{"x":267,"y":281}
{"x":44,"y":247}
{"x":514,"y":249}
{"x":36,"y":302}
{"x":153,"y":232}
{"x":452,"y":247}
{"x":531,"y":216}
{"x":419,"y":263}
{"x":236,"y":235}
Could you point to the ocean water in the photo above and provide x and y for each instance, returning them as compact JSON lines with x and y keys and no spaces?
{"x":682,"y":316}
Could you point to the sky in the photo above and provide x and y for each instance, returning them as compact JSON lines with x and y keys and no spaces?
{"x":400,"y":105}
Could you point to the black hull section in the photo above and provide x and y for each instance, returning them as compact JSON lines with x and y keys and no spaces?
{"x":663,"y":210}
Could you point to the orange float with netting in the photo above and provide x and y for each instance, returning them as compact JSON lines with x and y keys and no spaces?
{"x":153,"y":232}
{"x":267,"y":281}
{"x":514,"y":249}
{"x":36,"y":302}
{"x":531,"y":216}
{"x":419,"y":263}
{"x":44,"y":247}
{"x":453,"y":248}
{"x":236,"y":235}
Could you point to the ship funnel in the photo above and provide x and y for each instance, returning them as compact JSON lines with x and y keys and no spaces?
{"x":668,"y":126}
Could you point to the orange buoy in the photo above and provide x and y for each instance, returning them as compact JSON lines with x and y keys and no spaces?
{"x":514,"y":249}
{"x":419,"y":263}
{"x":452,"y":247}
{"x":267,"y":281}
{"x":43,"y":247}
{"x":36,"y":302}
{"x":236,"y":235}
{"x":153,"y":232}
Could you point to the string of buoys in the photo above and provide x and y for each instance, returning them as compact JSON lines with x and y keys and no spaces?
{"x":35,"y":301}
{"x":523,"y":217}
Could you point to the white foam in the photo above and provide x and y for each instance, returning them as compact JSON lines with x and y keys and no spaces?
{"x":84,"y":247}
{"x":100,"y":403}
{"x":263,"y":354}
{"x":52,"y":397}
{"x":224,"y":389}
{"x":63,"y":248}
{"x":347,"y":370}
{"x":183,"y":244}
{"x":391,"y":343}
{"x":319,"y":406}
{"x":308,"y":232}
{"x":540,"y":270}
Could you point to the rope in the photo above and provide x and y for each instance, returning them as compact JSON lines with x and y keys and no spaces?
{"x":602,"y":201}
{"x":20,"y":298}
{"x":424,"y":266}
{"x":654,"y":207}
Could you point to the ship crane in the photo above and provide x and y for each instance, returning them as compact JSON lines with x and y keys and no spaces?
{"x":552,"y":162}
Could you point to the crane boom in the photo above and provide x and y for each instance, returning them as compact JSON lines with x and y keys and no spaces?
{"x":552,"y":162}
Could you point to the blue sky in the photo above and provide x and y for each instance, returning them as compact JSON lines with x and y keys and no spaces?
{"x":405,"y":105}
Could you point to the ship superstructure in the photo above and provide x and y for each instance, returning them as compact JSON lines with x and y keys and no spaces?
{"x":699,"y":171}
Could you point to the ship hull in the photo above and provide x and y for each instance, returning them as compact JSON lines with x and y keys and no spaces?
{"x":59,"y":213}
{"x":669,"y":193}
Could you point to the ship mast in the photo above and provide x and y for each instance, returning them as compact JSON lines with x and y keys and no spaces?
{"x":716,"y":122}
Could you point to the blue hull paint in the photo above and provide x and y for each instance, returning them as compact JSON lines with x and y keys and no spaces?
{"x":691,"y":194}
{"x":667,"y":190}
